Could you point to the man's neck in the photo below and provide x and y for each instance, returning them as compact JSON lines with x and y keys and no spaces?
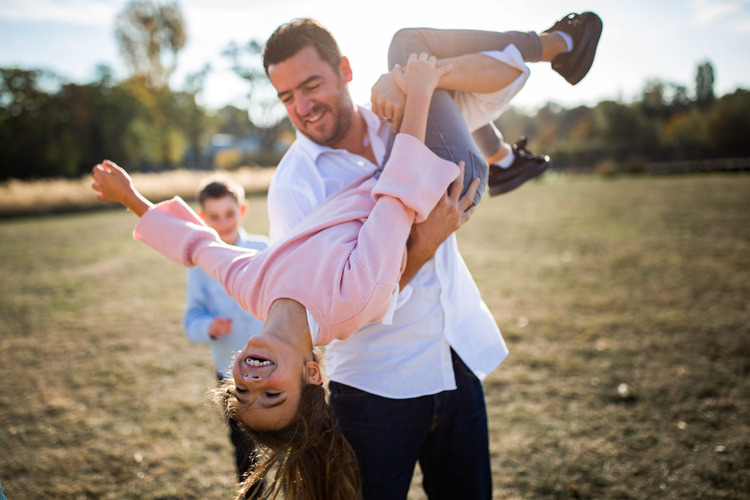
{"x":357,"y":140}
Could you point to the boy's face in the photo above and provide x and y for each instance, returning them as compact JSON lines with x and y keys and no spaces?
{"x":315,"y":95}
{"x":224,"y":216}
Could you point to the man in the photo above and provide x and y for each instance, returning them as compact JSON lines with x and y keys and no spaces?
{"x":442,"y":339}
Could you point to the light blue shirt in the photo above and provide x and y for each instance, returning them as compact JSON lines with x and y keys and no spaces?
{"x":207,"y":299}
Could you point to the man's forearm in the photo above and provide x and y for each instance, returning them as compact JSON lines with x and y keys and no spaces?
{"x":414,"y":262}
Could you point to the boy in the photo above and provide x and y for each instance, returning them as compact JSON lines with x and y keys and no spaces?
{"x":211,"y":315}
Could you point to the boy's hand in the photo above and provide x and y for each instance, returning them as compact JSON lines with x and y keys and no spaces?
{"x":220,"y":327}
{"x":112,"y":183}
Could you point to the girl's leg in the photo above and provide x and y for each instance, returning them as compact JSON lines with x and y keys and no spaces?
{"x":447,"y":134}
{"x":448,"y":137}
{"x":453,"y":43}
{"x":489,"y":140}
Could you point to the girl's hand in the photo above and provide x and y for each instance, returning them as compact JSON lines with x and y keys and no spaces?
{"x":112,"y":183}
{"x":421,"y":73}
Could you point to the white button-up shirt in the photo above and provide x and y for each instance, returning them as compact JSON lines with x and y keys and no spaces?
{"x":407,"y":355}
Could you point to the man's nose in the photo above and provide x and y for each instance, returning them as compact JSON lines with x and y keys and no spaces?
{"x":304,"y":105}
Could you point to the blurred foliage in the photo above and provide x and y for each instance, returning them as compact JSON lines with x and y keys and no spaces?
{"x":53,"y":128}
{"x":150,"y":36}
{"x":665,"y":124}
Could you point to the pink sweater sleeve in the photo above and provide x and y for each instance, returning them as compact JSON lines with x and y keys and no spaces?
{"x":173,"y":229}
{"x":415,"y":176}
{"x":411,"y":184}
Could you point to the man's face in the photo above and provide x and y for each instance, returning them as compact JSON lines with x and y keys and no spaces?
{"x":315,"y":95}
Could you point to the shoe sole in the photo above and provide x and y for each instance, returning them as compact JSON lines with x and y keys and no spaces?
{"x":592,"y":34}
{"x":522,"y":177}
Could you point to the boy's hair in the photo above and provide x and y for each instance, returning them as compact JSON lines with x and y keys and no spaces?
{"x":219,"y":186}
{"x":308,"y":460}
{"x":291,"y":37}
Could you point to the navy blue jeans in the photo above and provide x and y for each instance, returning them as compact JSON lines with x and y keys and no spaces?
{"x":445,"y":432}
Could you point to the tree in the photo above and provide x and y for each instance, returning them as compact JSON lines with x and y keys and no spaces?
{"x":150,"y":37}
{"x":192,"y":117}
{"x":264,"y":107}
{"x":25,"y":123}
{"x":704,"y":84}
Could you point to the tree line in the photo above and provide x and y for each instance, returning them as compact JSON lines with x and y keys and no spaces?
{"x":666,"y":123}
{"x":54,"y":128}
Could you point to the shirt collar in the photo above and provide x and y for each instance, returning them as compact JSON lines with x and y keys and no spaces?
{"x":378,"y":130}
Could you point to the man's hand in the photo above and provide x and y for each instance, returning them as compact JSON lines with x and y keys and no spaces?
{"x":220,"y":327}
{"x":388,"y":100}
{"x":451,"y":212}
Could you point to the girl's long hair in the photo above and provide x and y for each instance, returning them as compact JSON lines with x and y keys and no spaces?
{"x":308,"y":460}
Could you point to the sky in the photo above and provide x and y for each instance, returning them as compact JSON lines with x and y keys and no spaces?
{"x":641,"y":40}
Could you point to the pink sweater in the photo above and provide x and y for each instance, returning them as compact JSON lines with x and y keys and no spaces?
{"x":343,"y":262}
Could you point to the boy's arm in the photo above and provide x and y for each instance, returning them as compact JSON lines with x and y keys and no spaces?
{"x":112,"y":183}
{"x":197,"y":319}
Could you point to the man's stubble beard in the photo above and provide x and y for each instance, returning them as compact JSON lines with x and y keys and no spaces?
{"x":342,"y":112}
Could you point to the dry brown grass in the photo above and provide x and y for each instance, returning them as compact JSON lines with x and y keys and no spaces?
{"x":67,"y":195}
{"x":624,"y":304}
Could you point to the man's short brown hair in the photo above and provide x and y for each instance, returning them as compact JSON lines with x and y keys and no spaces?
{"x":291,"y":37}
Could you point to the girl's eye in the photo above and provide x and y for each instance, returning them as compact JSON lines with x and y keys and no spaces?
{"x":272,"y":395}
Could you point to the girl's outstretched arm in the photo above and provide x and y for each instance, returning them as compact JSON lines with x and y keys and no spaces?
{"x":112,"y":183}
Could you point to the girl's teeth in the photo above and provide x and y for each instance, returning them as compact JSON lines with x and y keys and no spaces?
{"x":257,"y":362}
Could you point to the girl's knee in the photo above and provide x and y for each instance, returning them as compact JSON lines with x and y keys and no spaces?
{"x":404,"y":42}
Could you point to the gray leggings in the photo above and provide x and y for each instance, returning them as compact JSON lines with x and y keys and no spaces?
{"x":447,"y":134}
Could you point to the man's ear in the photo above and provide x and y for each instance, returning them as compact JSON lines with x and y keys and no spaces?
{"x":243,"y":209}
{"x":202,"y":215}
{"x":313,"y":373}
{"x":345,"y":69}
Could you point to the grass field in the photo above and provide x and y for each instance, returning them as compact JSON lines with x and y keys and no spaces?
{"x":625,"y":303}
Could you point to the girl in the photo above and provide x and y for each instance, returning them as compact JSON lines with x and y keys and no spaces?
{"x":341,"y":266}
